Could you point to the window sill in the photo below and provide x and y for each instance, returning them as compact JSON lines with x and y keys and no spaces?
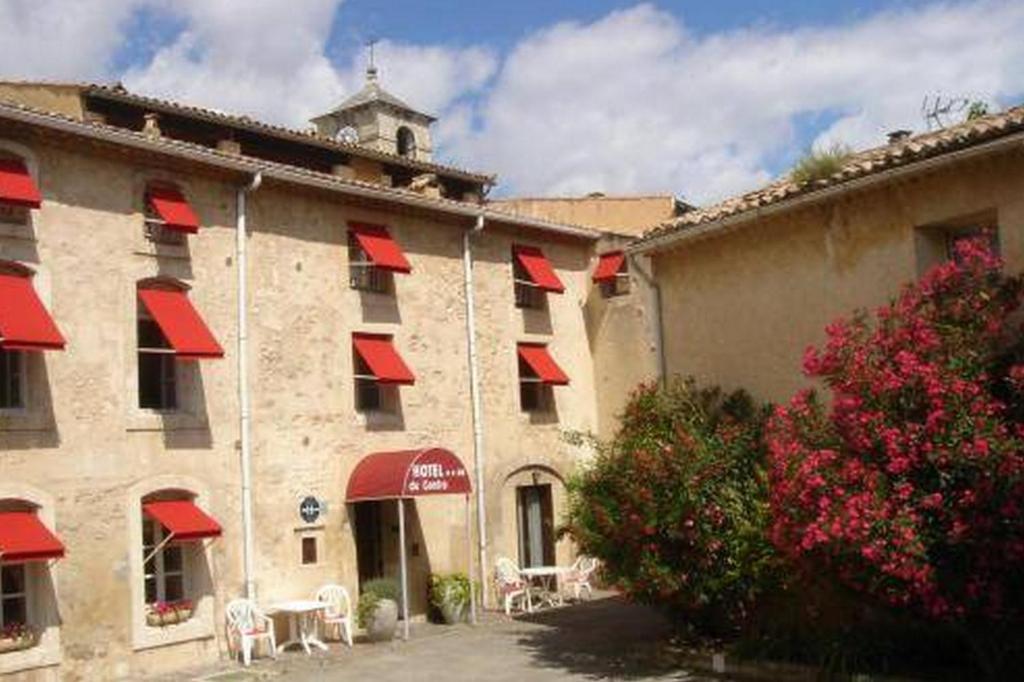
{"x":197,"y":627}
{"x":45,"y":654}
{"x":25,"y":420}
{"x":157,"y":420}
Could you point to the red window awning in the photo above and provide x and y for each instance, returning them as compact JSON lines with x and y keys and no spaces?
{"x":173,"y":208}
{"x":379,"y":354}
{"x":17,"y":187}
{"x":182,"y":519}
{"x":543,"y":365}
{"x":178,"y":320}
{"x":24,"y":322}
{"x":538,"y":268}
{"x":609,"y":265}
{"x":407,"y":473}
{"x":384,"y":251}
{"x":23,"y":537}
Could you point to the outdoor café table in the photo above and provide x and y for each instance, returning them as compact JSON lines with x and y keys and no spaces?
{"x":550,"y":579}
{"x":301,"y":622}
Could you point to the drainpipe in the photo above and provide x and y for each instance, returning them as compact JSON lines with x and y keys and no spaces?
{"x":244,"y":409}
{"x":659,"y":330}
{"x":474,"y":392}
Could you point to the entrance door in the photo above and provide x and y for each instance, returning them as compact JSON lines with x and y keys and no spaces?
{"x":536,"y":526}
{"x":369,"y":541}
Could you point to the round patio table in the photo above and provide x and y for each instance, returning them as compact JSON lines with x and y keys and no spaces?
{"x":550,"y":579}
{"x":301,"y":622}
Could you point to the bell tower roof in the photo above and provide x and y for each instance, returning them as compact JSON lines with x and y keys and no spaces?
{"x":372,"y":94}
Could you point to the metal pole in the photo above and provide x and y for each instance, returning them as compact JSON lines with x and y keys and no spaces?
{"x":469,"y":556}
{"x":405,"y":576}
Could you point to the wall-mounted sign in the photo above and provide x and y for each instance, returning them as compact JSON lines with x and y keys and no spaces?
{"x":310,"y":509}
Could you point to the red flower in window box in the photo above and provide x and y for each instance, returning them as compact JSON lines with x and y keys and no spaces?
{"x":17,"y":636}
{"x":162,"y":613}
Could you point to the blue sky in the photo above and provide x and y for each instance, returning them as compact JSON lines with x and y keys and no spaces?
{"x":699,"y":99}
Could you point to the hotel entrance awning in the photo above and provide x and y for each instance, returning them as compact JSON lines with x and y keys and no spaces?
{"x":406,"y":474}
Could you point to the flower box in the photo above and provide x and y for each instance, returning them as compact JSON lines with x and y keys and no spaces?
{"x":17,"y":640}
{"x":162,"y":614}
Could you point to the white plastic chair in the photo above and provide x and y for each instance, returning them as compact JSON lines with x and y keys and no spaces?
{"x":511,"y":586}
{"x":247,"y":625}
{"x":578,"y":577}
{"x":338,"y":613}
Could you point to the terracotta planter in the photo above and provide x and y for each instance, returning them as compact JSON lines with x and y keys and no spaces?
{"x":8,"y":644}
{"x":381,"y":627}
{"x":170,"y":617}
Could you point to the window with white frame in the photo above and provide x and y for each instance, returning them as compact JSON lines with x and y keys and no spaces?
{"x":163,"y":565}
{"x":363,"y":273}
{"x":371,"y":394}
{"x":156,"y":228}
{"x":534,"y":394}
{"x":528,"y":294}
{"x":158,"y":367}
{"x":12,"y":379}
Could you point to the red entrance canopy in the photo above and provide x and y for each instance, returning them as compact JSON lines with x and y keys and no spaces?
{"x":173,"y":208}
{"x":24,"y":322}
{"x":538,"y":268}
{"x":178,"y":320}
{"x":183,"y":519}
{"x":407,"y":473}
{"x":23,"y":537}
{"x":380,"y":247}
{"x":17,"y":188}
{"x":609,"y":265}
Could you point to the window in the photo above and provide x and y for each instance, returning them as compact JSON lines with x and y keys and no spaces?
{"x":13,"y":215}
{"x":616,"y":286}
{"x":309,"y":551}
{"x":405,"y":142}
{"x":534,"y":393}
{"x":156,"y":227}
{"x":363,"y":273}
{"x":163,"y":565}
{"x":18,"y":190}
{"x":369,"y":393}
{"x":528,"y":294}
{"x":937,"y":243}
{"x":158,"y":370}
{"x":13,"y":596}
{"x":12,"y":382}
{"x":958,"y":236}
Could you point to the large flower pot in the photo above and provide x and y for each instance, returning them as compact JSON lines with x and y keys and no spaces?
{"x":381,"y":627}
{"x":453,"y":612}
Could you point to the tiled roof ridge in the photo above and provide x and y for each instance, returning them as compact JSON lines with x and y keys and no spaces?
{"x":254,"y":163}
{"x":860,"y":164}
{"x":118,"y":91}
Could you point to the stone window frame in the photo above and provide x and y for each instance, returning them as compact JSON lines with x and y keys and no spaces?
{"x":24,"y":226}
{"x":42,"y":602}
{"x":202,"y":624}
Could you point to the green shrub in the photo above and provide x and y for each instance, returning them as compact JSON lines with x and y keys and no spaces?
{"x":453,"y":589}
{"x":820,"y":164}
{"x":675,"y":506}
{"x":373,"y":591}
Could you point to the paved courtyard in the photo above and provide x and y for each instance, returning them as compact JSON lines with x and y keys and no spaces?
{"x":602,"y":639}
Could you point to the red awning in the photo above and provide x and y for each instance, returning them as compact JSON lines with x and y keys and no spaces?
{"x":17,"y":186}
{"x":544,"y":366}
{"x":379,"y":353}
{"x":23,"y":537}
{"x":24,"y":322}
{"x":173,"y":208}
{"x":182,"y":519}
{"x":408,"y":473}
{"x":538,"y":268}
{"x":609,"y":265}
{"x":380,"y":247}
{"x":178,"y":320}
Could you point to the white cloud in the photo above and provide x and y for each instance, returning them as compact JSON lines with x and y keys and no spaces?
{"x":635,"y":103}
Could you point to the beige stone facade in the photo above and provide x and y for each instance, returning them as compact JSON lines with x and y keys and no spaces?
{"x":627,"y":215}
{"x":86,"y":457}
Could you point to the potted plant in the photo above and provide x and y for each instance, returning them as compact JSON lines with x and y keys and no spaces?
{"x":450,"y":594}
{"x":15,"y":637}
{"x":162,"y":613}
{"x":378,"y":609}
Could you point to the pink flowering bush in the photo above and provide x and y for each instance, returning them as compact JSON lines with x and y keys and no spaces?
{"x":675,"y":507}
{"x":909,"y":486}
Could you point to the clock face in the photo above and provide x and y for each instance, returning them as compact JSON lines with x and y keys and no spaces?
{"x":348,"y":135}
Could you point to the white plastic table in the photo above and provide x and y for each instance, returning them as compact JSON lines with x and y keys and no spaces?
{"x":301,"y":622}
{"x":550,"y":578}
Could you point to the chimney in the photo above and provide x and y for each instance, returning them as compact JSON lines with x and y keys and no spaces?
{"x":151,"y":126}
{"x":897,"y":136}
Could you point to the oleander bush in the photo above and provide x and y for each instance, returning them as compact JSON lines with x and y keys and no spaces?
{"x":675,"y":506}
{"x":908,"y":487}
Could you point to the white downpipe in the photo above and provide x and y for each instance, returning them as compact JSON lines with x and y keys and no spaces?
{"x":474,"y":393}
{"x":404,"y":569}
{"x":244,"y":409}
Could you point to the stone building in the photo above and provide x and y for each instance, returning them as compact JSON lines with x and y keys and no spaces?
{"x":208,"y":323}
{"x":747,"y":284}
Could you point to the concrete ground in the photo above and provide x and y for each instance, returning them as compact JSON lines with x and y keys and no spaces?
{"x":602,"y":639}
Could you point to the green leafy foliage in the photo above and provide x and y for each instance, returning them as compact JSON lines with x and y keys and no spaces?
{"x":820,"y":164}
{"x":374,"y":591}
